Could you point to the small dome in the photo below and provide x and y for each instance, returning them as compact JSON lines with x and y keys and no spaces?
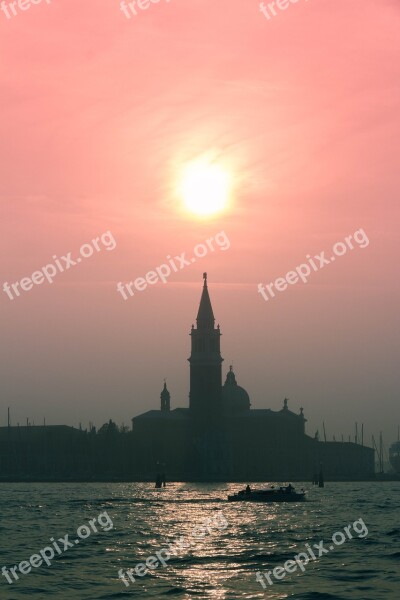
{"x":235,"y":399}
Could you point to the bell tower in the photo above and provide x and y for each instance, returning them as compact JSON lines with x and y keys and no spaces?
{"x":205,"y":398}
{"x":165,"y":398}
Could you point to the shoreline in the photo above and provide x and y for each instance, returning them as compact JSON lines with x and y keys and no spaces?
{"x":377,"y":479}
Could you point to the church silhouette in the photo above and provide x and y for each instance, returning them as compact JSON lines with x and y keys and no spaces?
{"x":219,"y":437}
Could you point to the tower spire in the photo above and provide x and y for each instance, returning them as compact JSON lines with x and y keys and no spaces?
{"x":165,"y":398}
{"x":205,"y":316}
{"x":205,"y":361}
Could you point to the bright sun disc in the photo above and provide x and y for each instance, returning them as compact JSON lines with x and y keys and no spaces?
{"x":204,"y":188}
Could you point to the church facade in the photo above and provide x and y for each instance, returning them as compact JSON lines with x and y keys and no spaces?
{"x":219,"y":437}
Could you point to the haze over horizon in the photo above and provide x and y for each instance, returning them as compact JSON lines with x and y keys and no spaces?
{"x":100,"y":116}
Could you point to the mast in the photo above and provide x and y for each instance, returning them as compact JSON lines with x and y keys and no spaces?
{"x":376,"y":450}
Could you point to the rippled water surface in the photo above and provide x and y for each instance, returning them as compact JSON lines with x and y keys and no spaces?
{"x":220,"y":563}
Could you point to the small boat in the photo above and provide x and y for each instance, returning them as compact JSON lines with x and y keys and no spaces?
{"x":273,"y":494}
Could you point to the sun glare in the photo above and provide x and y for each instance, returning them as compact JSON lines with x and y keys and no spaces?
{"x":204,"y":188}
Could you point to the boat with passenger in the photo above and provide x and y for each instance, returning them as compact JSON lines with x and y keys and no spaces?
{"x":272,"y":494}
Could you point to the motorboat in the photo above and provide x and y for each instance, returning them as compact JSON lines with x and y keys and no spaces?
{"x":272,"y":494}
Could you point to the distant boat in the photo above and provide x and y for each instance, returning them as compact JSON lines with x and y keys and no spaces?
{"x":394,"y":456}
{"x":281,"y":494}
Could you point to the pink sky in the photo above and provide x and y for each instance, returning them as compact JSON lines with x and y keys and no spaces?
{"x":99,"y":113}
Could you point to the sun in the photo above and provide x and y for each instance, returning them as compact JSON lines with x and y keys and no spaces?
{"x":204,"y":188}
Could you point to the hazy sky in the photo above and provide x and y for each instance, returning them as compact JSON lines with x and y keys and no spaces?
{"x":99,"y":113}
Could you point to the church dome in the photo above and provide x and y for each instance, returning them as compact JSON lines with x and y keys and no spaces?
{"x":235,"y":399}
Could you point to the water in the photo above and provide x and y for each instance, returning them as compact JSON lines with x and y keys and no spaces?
{"x":220,"y":565}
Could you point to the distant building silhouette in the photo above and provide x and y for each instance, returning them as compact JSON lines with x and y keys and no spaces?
{"x":220,"y":437}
